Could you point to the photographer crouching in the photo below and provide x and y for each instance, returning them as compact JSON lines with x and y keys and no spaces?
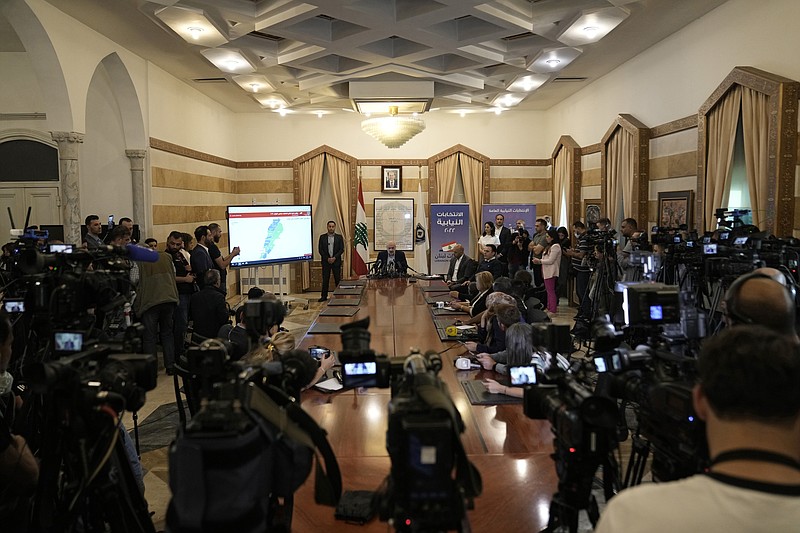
{"x":749,"y":399}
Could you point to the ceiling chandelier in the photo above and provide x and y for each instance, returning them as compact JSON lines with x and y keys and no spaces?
{"x":393,"y":131}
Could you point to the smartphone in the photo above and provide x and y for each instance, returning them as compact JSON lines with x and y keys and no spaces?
{"x":318,"y":352}
{"x":522,"y":375}
{"x":110,"y":221}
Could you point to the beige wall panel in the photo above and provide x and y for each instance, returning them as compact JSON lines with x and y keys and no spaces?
{"x":521,"y":184}
{"x":519,"y":197}
{"x":244,"y":174}
{"x":688,"y":183}
{"x":168,"y":214}
{"x":519,"y":172}
{"x":592,"y":192}
{"x":372,"y":185}
{"x":183,"y":197}
{"x":265,"y":186}
{"x":590,"y":161}
{"x":189,"y":165}
{"x":176,"y":179}
{"x":674,"y":166}
{"x":674,"y":143}
{"x":591,"y":177}
{"x":265,"y":199}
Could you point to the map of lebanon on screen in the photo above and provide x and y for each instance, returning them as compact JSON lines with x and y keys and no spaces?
{"x":270,"y":234}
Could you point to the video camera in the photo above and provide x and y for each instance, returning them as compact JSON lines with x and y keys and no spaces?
{"x":250,"y":446}
{"x":421,"y":492}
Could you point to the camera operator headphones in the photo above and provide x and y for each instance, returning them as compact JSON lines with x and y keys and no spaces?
{"x":732,"y":295}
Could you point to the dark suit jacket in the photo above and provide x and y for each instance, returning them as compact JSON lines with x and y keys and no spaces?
{"x":338,"y":247}
{"x":401,"y":265}
{"x":208,"y":311}
{"x":494,"y":266}
{"x":466,"y":269}
{"x":505,"y":241}
{"x":201,"y":262}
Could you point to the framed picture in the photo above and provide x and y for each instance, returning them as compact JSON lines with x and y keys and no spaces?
{"x":392,"y":179}
{"x":394,"y":221}
{"x":591,"y":209}
{"x":675,"y":208}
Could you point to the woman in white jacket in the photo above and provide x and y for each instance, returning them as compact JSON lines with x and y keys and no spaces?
{"x":551,"y":265}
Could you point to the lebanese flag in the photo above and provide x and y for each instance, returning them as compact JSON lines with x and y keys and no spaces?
{"x":360,"y":240}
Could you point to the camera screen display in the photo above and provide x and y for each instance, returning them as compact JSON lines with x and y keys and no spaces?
{"x":740,"y":241}
{"x":690,"y":244}
{"x":724,"y":236}
{"x":676,"y":239}
{"x":361,"y":369}
{"x":60,"y":248}
{"x":600,"y":364}
{"x":68,"y":341}
{"x":656,"y":312}
{"x":710,"y":249}
{"x":522,"y":375}
{"x":14,"y":306}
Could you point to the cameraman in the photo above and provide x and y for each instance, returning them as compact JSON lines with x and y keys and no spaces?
{"x":630,"y":271}
{"x":19,"y":471}
{"x":749,"y":398}
{"x":518,"y":251}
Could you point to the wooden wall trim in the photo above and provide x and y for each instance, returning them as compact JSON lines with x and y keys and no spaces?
{"x":177,"y":149}
{"x":520,"y":162}
{"x":592,"y":149}
{"x":681,"y":124}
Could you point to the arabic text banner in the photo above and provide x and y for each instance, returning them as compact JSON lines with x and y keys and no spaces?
{"x":449,"y":225}
{"x":512,"y":213}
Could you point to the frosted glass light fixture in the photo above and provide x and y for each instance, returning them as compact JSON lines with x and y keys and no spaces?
{"x":393,"y":131}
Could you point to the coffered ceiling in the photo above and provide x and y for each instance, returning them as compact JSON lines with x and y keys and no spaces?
{"x":317,"y":56}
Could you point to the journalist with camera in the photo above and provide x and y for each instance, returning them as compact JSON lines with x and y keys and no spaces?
{"x":749,"y":398}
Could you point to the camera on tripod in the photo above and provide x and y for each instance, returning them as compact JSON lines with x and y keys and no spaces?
{"x":421,"y":493}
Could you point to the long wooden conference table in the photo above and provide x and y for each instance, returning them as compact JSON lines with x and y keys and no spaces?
{"x":510,"y":450}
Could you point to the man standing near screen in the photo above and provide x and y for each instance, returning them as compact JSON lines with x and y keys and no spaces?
{"x":331,"y":248}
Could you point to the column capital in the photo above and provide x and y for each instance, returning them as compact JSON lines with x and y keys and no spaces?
{"x":68,"y":142}
{"x":67,"y":137}
{"x":136,"y":154}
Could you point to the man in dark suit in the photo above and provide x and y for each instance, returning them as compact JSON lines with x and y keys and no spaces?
{"x":393,"y":260}
{"x":201,"y":258}
{"x":461,"y":267}
{"x":504,"y":234}
{"x":207,"y":307}
{"x":331,"y":248}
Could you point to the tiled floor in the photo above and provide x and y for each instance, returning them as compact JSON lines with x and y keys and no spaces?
{"x":155,"y":462}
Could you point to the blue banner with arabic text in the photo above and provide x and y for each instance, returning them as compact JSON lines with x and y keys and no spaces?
{"x":449,"y":226}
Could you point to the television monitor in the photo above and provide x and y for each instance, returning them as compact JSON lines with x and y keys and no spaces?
{"x":270,"y":234}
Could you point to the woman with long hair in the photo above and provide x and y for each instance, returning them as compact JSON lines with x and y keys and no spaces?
{"x":551,"y":266}
{"x":488,"y":237}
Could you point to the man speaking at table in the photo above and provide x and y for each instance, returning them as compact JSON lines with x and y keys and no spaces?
{"x":392,"y":261}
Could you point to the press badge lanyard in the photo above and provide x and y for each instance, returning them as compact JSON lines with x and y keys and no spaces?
{"x":751,"y":454}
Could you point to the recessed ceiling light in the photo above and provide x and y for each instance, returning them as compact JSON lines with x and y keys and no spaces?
{"x":254,"y":87}
{"x":319,"y":114}
{"x":591,"y":31}
{"x":553,"y":62}
{"x":498,"y":110}
{"x":462,"y":113}
{"x":195,"y":31}
{"x":283,"y":111}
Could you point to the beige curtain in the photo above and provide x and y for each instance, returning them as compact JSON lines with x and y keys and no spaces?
{"x":446,"y":178}
{"x":562,"y":185}
{"x":620,"y":158}
{"x":310,"y":178}
{"x":755,"y":124}
{"x":472,"y":176}
{"x":339,"y":171}
{"x":721,"y":124}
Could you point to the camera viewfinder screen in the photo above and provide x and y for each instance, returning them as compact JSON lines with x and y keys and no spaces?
{"x":361,"y":369}
{"x":68,"y":341}
{"x":710,"y":249}
{"x":656,"y":312}
{"x":14,"y":306}
{"x":740,"y":241}
{"x":616,"y":364}
{"x":522,"y":375}
{"x":600,"y":364}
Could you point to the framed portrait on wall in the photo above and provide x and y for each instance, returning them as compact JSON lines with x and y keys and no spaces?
{"x":591,"y":209}
{"x":675,"y":208}
{"x":392,"y":179}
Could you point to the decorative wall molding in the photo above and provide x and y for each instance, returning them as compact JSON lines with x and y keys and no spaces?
{"x":177,"y":149}
{"x":520,"y":162}
{"x":681,"y":124}
{"x":592,"y":149}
